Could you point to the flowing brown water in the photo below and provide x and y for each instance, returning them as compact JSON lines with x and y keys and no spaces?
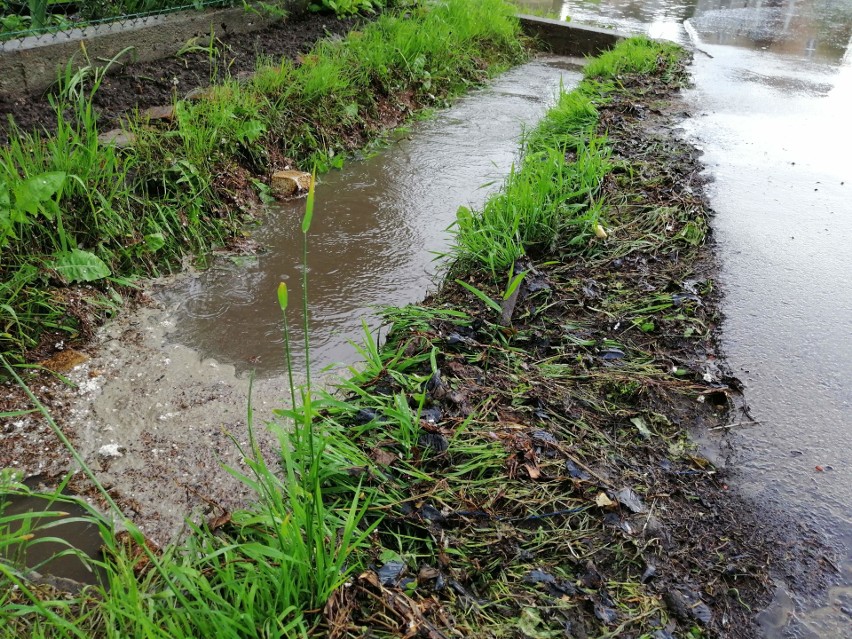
{"x":378,"y":225}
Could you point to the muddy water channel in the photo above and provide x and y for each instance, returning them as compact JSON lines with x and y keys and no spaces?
{"x":378,"y":226}
{"x":772,"y":107}
{"x":161,"y":406}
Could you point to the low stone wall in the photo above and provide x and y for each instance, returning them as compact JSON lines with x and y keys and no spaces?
{"x":565,"y":38}
{"x":32,"y":64}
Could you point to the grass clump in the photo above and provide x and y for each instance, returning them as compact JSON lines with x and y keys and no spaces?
{"x":634,"y":55}
{"x":552,"y":197}
{"x":80,"y":216}
{"x":266,"y":571}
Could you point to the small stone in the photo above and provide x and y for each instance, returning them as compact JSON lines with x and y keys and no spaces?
{"x":111,"y":450}
{"x":117,"y":137}
{"x":288,"y":183}
{"x":199,"y":93}
{"x":159,"y":113}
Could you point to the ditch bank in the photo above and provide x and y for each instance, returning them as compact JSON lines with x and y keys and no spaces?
{"x":552,"y":486}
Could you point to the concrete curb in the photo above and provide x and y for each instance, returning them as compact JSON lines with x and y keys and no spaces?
{"x":32,"y":64}
{"x":565,"y":38}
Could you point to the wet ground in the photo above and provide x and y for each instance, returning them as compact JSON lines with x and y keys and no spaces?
{"x":772,"y":98}
{"x":158,"y":407}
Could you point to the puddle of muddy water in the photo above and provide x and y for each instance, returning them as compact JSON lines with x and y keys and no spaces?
{"x":62,"y":520}
{"x":378,"y":224}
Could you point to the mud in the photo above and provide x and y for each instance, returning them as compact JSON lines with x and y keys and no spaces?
{"x":155,"y":422}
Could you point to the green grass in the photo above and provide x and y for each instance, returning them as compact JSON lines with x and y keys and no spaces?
{"x":552,"y":197}
{"x":634,"y":55}
{"x":77,"y":212}
{"x":549,"y":197}
{"x":266,"y":573}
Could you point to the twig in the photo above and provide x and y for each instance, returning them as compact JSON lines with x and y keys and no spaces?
{"x":735,"y":424}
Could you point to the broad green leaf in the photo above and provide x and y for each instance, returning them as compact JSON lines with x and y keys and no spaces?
{"x":154,"y":241}
{"x":282,"y":296}
{"x":30,"y":193}
{"x":80,"y":266}
{"x":251,"y":131}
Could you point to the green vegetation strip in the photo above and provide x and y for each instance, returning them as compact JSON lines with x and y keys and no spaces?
{"x":80,"y":217}
{"x":513,"y":461}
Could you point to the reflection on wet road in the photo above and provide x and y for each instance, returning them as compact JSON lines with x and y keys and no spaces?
{"x":377,"y":226}
{"x":773,"y":113}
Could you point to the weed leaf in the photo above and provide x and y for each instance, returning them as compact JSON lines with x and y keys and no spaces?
{"x":30,"y":193}
{"x":79,"y":266}
{"x":154,"y":242}
{"x":482,"y":296}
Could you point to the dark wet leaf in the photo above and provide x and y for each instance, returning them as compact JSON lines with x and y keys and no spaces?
{"x":383,"y":457}
{"x":562,"y":587}
{"x":630,"y":500}
{"x":537,"y":283}
{"x":430,"y":513}
{"x":543,"y":438}
{"x":687,"y":605}
{"x":366,"y":415}
{"x":390,"y":573}
{"x":454,"y":338}
{"x":662,"y":634}
{"x":537,"y":576}
{"x":433,"y":441}
{"x":428,"y":572}
{"x":649,"y":573}
{"x":218,"y":522}
{"x":612,"y":519}
{"x":432,"y":415}
{"x":575,"y":472}
{"x":435,"y":386}
{"x":592,"y":578}
{"x":604,"y":613}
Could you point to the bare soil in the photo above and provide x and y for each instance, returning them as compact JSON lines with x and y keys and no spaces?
{"x":151,"y":84}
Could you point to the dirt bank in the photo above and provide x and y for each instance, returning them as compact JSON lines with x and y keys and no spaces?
{"x":555,"y":488}
{"x":154,"y":84}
